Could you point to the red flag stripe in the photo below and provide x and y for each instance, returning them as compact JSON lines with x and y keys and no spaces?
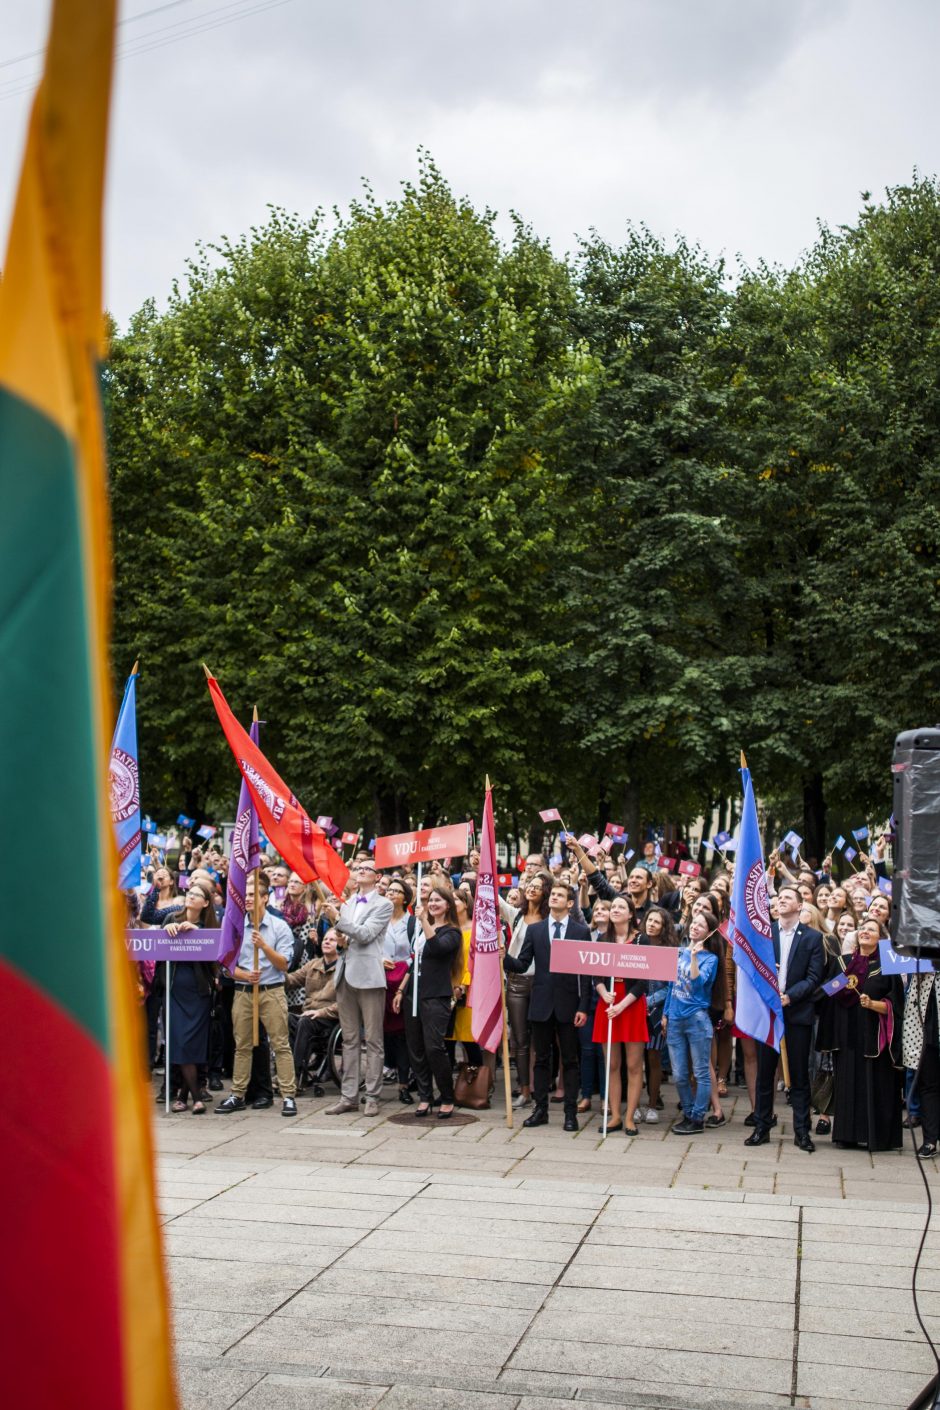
{"x":299,"y":841}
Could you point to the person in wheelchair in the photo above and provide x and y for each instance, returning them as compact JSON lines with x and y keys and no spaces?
{"x":311,"y":1028}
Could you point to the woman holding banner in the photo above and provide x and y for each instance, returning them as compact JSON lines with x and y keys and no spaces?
{"x":191,"y":989}
{"x":620,"y":1019}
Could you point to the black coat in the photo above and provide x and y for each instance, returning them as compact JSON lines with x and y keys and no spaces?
{"x":553,"y":995}
{"x":805,"y":969}
{"x":435,"y":980}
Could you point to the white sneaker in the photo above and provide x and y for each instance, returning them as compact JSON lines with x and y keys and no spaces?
{"x":652,"y":1115}
{"x":639,"y":1115}
{"x":521,"y":1101}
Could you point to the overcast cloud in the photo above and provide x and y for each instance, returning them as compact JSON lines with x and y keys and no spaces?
{"x":736,"y":122}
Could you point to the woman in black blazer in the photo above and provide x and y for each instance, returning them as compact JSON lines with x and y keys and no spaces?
{"x":437,"y":958}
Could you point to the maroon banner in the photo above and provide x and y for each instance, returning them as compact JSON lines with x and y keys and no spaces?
{"x":430,"y":845}
{"x":621,"y":961}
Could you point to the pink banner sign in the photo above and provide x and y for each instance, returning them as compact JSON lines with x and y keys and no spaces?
{"x":427,"y":846}
{"x":690,"y":868}
{"x":621,"y":961}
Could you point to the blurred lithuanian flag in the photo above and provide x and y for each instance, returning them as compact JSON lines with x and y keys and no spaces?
{"x":84,"y":1305}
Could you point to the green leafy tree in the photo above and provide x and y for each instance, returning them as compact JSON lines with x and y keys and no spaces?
{"x":361,"y":443}
{"x":657,"y":590}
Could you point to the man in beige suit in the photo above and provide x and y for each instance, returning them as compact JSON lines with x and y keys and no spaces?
{"x":360,"y":987}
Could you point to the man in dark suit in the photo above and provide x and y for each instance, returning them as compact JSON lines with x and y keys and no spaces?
{"x":800,"y":965}
{"x":558,"y":1004}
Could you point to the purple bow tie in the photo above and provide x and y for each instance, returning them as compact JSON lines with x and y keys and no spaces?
{"x":361,"y":900}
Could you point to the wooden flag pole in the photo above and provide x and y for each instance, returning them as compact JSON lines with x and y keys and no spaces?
{"x":507,"y":1080}
{"x":256,"y":922}
{"x":784,"y":1063}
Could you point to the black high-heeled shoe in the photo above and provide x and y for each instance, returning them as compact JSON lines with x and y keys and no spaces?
{"x":422,"y":1111}
{"x":405,"y":1096}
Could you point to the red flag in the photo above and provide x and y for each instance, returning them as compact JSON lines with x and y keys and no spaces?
{"x":486,"y":985}
{"x":300,"y":842}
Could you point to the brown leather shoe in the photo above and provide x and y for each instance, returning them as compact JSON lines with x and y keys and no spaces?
{"x":584,"y":1104}
{"x":340,"y":1108}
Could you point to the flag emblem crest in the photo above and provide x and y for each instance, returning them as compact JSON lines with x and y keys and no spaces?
{"x":755,"y":900}
{"x":123,"y":785}
{"x":274,"y":804}
{"x":487,"y":926}
{"x":241,"y":839}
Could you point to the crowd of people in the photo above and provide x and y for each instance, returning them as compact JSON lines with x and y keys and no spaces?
{"x":387,"y":966}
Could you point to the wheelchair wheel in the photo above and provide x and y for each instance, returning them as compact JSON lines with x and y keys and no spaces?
{"x":334,"y":1054}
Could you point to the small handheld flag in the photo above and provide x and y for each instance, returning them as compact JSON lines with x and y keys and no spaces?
{"x":860,"y":834}
{"x":550,"y":815}
{"x":184,"y":821}
{"x":850,"y":854}
{"x":835,"y":986}
{"x":206,"y":831}
{"x":839,"y":843}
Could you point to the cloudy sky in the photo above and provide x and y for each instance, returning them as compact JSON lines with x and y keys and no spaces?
{"x":737,"y":122}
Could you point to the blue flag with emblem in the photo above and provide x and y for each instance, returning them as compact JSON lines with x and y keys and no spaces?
{"x":758,"y":1011}
{"x":124,"y":787}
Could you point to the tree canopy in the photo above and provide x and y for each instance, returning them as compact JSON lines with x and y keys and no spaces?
{"x":444,"y":504}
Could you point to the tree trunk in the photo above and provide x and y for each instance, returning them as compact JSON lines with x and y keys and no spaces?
{"x":631,"y":818}
{"x":814,"y":819}
{"x":393,"y":812}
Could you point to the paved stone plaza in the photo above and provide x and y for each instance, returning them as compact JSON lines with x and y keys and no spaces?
{"x":332,"y":1263}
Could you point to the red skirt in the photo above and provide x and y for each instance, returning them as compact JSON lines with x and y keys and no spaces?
{"x":628,"y":1027}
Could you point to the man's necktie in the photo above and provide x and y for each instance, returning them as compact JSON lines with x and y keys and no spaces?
{"x":557,"y":935}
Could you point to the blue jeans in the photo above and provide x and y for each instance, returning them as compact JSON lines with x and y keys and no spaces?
{"x":691,"y":1035}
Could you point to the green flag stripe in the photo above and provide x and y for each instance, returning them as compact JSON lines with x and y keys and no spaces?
{"x":53,"y":923}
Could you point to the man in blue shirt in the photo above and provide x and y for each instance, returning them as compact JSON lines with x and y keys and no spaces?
{"x":275,"y":943}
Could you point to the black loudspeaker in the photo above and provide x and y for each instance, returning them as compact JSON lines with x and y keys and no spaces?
{"x":915,"y":893}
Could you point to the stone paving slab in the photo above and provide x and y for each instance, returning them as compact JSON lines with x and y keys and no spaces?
{"x":353,"y":1265}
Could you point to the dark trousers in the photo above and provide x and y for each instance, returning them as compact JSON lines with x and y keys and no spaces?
{"x":427,"y":1049}
{"x":259,"y":1083}
{"x":543,"y":1038}
{"x":927,"y":1092}
{"x":396,"y":1055}
{"x":308,"y":1035}
{"x":799,"y":1037}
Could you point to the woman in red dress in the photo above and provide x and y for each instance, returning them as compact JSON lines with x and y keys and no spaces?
{"x":625,"y":1010}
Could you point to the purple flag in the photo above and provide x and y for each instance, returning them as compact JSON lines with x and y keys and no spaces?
{"x":246,"y":857}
